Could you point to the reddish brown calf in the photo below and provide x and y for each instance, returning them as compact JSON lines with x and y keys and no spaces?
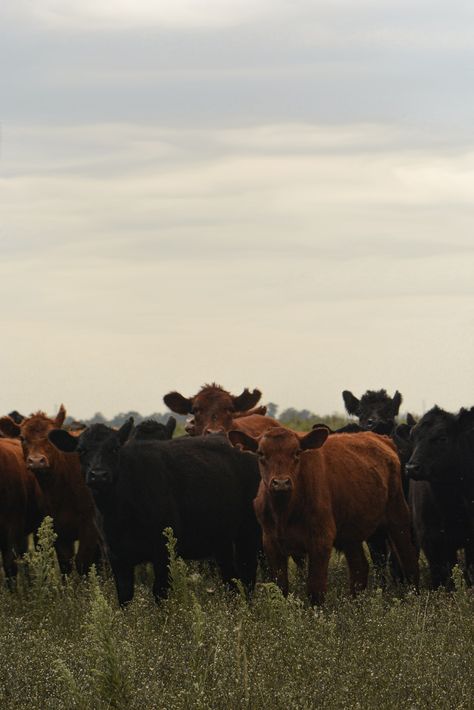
{"x":313,"y":497}
{"x":216,"y":411}
{"x":66,"y":498}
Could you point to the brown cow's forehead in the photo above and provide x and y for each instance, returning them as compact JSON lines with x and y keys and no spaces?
{"x":36,"y":426}
{"x":279,"y":441}
{"x":213,"y":397}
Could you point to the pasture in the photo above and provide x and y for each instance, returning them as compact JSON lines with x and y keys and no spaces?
{"x":68,"y":645}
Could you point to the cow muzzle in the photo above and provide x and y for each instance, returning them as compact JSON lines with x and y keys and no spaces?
{"x":37,"y":463}
{"x":281,"y":485}
{"x":98,"y":477}
{"x":414,"y":471}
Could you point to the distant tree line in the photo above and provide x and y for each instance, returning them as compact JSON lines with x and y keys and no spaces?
{"x":299,"y":419}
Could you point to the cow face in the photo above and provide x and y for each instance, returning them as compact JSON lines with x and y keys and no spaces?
{"x":440,"y":442}
{"x":212,"y":408}
{"x":40,"y":456}
{"x":151,"y":430}
{"x":99,"y":449}
{"x":376,"y":410}
{"x":279,"y":453}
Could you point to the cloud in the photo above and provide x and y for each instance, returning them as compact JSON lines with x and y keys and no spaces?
{"x":93,"y":15}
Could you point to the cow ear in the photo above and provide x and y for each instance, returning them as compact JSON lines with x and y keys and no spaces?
{"x":63,"y":440}
{"x":403,"y":431}
{"x":411,"y":421}
{"x":465,"y":419}
{"x":351,"y":402}
{"x":60,"y":417}
{"x":9,"y":428}
{"x":396,"y":402}
{"x":171,"y":426}
{"x":240,"y":438}
{"x":125,"y":430}
{"x":177,"y":403}
{"x":246,"y":400}
{"x":315,"y":438}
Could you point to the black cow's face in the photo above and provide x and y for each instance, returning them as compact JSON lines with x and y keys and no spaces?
{"x":433,"y":440}
{"x":99,"y":449}
{"x":376,"y":410}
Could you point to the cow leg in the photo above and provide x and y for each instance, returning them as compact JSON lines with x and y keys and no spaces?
{"x":469,"y":561}
{"x":400,"y":533}
{"x":124,"y":580}
{"x":161,"y":582}
{"x":377,"y":544}
{"x":65,"y":553}
{"x":318,"y":564}
{"x":224,"y":555}
{"x":358,"y":567}
{"x":88,"y":551}
{"x":8,"y":558}
{"x":277,"y":561}
{"x":246,"y":561}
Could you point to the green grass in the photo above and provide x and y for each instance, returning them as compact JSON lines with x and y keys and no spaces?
{"x":68,"y":645}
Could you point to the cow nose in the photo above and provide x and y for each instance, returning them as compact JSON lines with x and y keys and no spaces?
{"x":37,"y":462}
{"x":281,"y":484}
{"x":97,"y":475}
{"x":208,"y":431}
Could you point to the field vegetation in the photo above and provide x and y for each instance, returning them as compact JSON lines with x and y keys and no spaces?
{"x":66,"y":644}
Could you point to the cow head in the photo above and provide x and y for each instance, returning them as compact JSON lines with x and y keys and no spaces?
{"x":279,"y":453}
{"x":212,"y":408}
{"x":40,"y":456}
{"x":442,"y":445}
{"x":376,"y":410}
{"x":99,"y":449}
{"x":151,"y":430}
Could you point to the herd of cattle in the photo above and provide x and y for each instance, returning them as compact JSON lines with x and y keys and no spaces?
{"x":238,"y":483}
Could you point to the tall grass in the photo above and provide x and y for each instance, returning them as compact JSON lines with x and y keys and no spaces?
{"x":68,"y":645}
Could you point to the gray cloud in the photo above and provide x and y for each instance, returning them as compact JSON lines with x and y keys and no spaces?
{"x":271,"y":195}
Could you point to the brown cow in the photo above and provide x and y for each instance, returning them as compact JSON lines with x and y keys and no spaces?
{"x":312,"y":499}
{"x":20,"y":504}
{"x":66,"y":497}
{"x":216,"y":411}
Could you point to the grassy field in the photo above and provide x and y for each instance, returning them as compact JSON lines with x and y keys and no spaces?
{"x":68,"y":645}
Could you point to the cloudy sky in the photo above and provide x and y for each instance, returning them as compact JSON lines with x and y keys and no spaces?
{"x":261,"y":193}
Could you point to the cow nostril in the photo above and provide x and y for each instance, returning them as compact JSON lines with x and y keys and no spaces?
{"x":281,"y":484}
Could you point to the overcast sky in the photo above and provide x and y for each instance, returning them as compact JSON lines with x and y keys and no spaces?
{"x":260,"y":193}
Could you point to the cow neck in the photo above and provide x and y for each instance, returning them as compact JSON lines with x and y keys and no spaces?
{"x":293,"y":507}
{"x":61,"y":475}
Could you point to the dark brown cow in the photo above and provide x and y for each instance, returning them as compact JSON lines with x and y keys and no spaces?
{"x":20,"y":504}
{"x":66,"y":497}
{"x":216,"y":411}
{"x":312,"y":499}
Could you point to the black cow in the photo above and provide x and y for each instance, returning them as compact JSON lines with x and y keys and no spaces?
{"x":201,"y":487}
{"x":376,"y":410}
{"x":151,"y":430}
{"x":441,"y":491}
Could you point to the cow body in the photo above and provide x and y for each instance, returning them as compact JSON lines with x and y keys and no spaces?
{"x":313,"y":498}
{"x":216,"y":411}
{"x":65,"y":495}
{"x":20,"y":504}
{"x":441,"y":490}
{"x":200,"y":487}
